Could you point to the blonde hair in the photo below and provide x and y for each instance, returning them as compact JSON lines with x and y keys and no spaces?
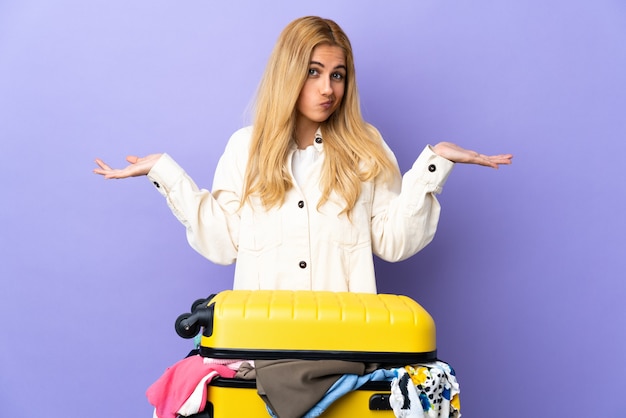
{"x":354,"y":150}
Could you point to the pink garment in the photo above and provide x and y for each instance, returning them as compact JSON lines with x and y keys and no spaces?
{"x":179,"y":381}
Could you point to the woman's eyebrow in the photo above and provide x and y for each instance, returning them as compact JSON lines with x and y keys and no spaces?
{"x":340,"y":66}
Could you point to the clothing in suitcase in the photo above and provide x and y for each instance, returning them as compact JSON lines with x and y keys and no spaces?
{"x":428,"y":390}
{"x":315,"y":329}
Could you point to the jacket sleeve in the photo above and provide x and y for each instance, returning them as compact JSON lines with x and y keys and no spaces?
{"x":405,"y":211}
{"x":211,"y":219}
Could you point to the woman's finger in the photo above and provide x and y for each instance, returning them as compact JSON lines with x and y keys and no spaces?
{"x":102,"y":164}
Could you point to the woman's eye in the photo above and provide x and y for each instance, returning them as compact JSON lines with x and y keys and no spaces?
{"x":338,"y":76}
{"x":313,"y":71}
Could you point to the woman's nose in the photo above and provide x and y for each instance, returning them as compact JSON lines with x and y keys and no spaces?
{"x":325,"y":87}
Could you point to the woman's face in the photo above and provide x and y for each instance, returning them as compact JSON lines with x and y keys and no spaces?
{"x":324,"y":87}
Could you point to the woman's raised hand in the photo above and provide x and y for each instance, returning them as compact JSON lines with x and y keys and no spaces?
{"x":457,"y":154}
{"x":138,"y":167}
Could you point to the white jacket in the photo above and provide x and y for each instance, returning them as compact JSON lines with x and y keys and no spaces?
{"x":296,"y":246}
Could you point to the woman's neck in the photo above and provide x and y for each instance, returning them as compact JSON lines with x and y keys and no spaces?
{"x":305,"y":133}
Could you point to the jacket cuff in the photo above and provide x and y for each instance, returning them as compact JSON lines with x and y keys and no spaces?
{"x":432,"y":169}
{"x":165,"y":173}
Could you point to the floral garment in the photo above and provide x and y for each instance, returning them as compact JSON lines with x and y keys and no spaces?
{"x":428,"y":390}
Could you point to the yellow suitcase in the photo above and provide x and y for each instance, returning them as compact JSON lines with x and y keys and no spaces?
{"x":392,"y":330}
{"x":311,"y":325}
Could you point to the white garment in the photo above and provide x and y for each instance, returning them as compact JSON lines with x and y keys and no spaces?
{"x":407,"y":404}
{"x":302,"y":161}
{"x":197,"y":399}
{"x":297,"y":246}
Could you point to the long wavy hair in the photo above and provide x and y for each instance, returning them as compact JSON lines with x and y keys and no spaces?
{"x":353,"y":149}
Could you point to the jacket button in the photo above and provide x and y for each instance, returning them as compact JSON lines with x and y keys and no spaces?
{"x":318,"y":139}
{"x":302,"y":264}
{"x":432,"y":168}
{"x":301,"y":204}
{"x":156,"y":184}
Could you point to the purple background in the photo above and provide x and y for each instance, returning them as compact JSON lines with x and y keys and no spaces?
{"x":525,"y":278}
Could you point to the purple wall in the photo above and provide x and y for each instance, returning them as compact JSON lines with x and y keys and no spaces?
{"x":525,"y":278}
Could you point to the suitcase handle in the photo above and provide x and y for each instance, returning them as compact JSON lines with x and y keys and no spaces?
{"x":380,"y":402}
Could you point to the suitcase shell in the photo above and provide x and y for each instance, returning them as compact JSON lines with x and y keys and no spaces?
{"x":228,"y":398}
{"x":312,"y":325}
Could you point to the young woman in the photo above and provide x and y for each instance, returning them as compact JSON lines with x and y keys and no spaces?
{"x":303,"y":197}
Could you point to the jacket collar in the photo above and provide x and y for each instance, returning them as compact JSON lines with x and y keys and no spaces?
{"x":318,"y":142}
